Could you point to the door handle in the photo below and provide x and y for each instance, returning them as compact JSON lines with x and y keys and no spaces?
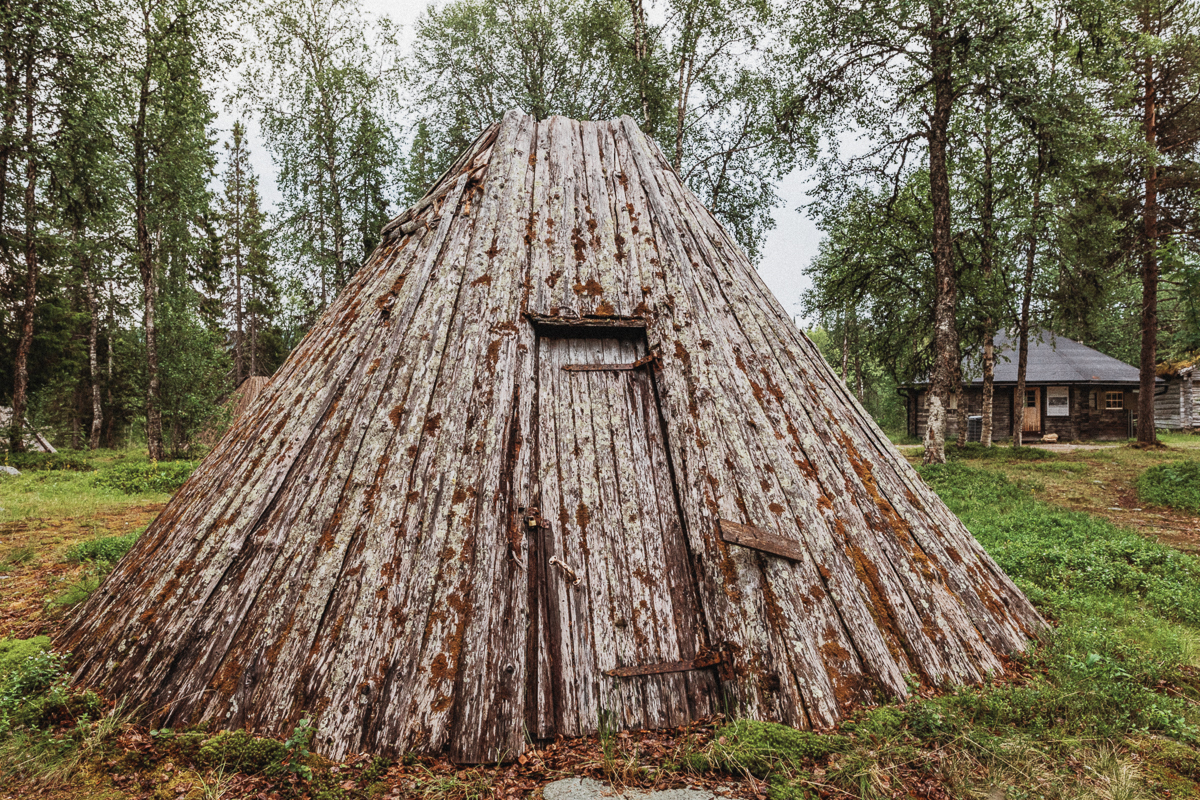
{"x":575,"y":579}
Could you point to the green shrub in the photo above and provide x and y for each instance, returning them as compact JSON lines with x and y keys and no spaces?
{"x":763,"y":748}
{"x":161,"y":476}
{"x":36,"y":692}
{"x":237,"y":751}
{"x":103,"y":549}
{"x":13,"y":652}
{"x":1176,"y":485}
{"x":46,"y":462}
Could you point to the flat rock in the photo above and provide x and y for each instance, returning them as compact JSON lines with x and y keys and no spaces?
{"x":7,"y":470}
{"x":588,"y":789}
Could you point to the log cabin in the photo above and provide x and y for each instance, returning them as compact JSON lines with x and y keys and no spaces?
{"x":1177,"y":408}
{"x":1071,"y":390}
{"x":555,"y":458}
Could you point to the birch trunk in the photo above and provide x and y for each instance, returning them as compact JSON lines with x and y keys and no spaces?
{"x":945,"y":341}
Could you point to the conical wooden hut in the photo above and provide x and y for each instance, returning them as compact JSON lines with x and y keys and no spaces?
{"x":556,"y":453}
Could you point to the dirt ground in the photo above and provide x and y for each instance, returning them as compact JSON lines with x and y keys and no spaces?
{"x":27,"y":590}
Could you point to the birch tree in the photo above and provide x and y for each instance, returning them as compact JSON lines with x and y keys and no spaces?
{"x":323,"y":80}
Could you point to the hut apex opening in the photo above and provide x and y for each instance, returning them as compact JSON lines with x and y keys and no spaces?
{"x":555,"y":455}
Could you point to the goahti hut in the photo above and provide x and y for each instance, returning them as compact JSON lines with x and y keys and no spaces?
{"x":555,"y":452}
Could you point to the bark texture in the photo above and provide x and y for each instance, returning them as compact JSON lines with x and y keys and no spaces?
{"x":483,"y":499}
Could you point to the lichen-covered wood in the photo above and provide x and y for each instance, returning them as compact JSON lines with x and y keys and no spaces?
{"x":390,"y":537}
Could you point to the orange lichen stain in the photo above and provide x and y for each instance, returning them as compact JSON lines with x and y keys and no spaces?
{"x":226,"y":679}
{"x":440,"y":670}
{"x":441,"y":703}
{"x":605,"y":309}
{"x":579,"y":244}
{"x":493,"y":353}
{"x":954,"y":556}
{"x":764,"y":483}
{"x":432,"y":424}
{"x":394,"y":415}
{"x":381,"y":593}
{"x":482,"y":280}
{"x":879,"y":607}
{"x":374,"y":366}
{"x":590,"y":289}
{"x":641,"y":309}
{"x":412,"y":497}
{"x":493,"y":251}
{"x":504,"y":327}
{"x":825,"y":503}
{"x":833,"y":650}
{"x":552,"y":278}
{"x":583,"y":516}
{"x":184,"y":568}
{"x":446,"y":553}
{"x":776,"y":508}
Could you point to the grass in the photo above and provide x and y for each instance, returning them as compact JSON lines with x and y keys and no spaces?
{"x":76,"y":494}
{"x":1176,"y":485}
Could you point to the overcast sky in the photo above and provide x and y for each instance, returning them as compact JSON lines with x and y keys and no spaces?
{"x":789,"y":246}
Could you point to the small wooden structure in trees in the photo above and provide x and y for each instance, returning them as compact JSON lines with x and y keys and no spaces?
{"x":556,"y":453}
{"x":34,"y":441}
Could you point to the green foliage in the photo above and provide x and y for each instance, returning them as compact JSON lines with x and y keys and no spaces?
{"x":694,"y":83}
{"x":14,"y":652}
{"x":763,"y":748}
{"x":30,"y":462}
{"x":238,"y":751}
{"x":141,"y":478}
{"x":1176,"y":484}
{"x":103,"y":549}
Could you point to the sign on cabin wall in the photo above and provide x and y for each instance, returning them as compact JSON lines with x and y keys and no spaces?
{"x":1058,"y":401}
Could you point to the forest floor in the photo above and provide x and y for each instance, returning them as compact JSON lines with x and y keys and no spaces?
{"x":1107,"y":707}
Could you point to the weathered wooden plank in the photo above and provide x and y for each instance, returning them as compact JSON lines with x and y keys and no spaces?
{"x":632,"y":365}
{"x":664,"y":667}
{"x":759,"y":539}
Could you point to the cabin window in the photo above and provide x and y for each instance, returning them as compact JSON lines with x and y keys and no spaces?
{"x":1031,"y":398}
{"x":1058,"y":401}
{"x":1092,"y":399}
{"x":1114,"y":401}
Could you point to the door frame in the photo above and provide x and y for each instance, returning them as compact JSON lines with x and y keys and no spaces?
{"x":627,"y":328}
{"x":1037,"y":392}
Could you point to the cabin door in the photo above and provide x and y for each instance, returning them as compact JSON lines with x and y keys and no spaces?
{"x":621,"y":638}
{"x":1033,"y":411}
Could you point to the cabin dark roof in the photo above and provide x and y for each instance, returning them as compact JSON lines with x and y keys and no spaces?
{"x":1053,"y":359}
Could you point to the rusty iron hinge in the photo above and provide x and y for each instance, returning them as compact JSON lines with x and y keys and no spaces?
{"x":704,"y":659}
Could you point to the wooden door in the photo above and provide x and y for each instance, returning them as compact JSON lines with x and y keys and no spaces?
{"x":621,"y":632}
{"x":1033,"y":411}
